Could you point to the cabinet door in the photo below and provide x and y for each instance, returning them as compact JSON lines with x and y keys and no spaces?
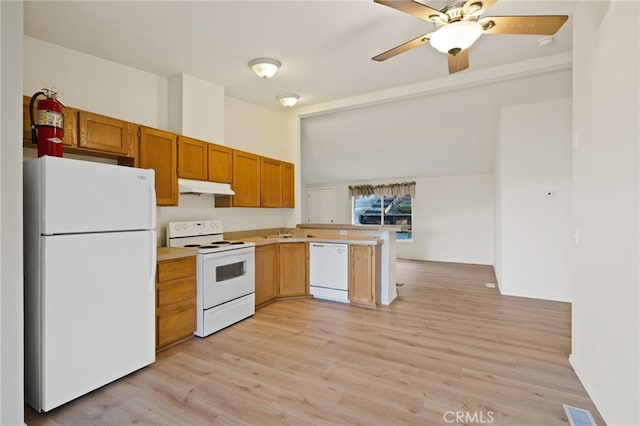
{"x":192,"y":158}
{"x":158,"y":151}
{"x":270,"y":183}
{"x":293,"y":269}
{"x":104,"y":134}
{"x":175,"y":300}
{"x":220,"y":163}
{"x":288,"y":186}
{"x":266,"y":260}
{"x":70,"y":123}
{"x":362,"y":275}
{"x":175,"y":324}
{"x":246,"y":179}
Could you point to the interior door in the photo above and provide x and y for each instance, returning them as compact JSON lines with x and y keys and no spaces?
{"x":321,"y":205}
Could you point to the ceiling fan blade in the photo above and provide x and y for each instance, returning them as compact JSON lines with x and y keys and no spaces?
{"x":416,"y":9}
{"x":458,"y":62}
{"x":540,"y":25}
{"x":477,"y":7}
{"x":402,"y":48}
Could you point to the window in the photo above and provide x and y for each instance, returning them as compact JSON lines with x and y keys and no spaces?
{"x":374,"y":210}
{"x":387,"y":204}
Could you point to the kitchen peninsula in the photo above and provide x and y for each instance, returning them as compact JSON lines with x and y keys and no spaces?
{"x":283,"y":257}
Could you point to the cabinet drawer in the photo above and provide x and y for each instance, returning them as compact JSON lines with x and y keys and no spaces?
{"x":175,"y":325}
{"x":176,"y":292}
{"x":174,"y":269}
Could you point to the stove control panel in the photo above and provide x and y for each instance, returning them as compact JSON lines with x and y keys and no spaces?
{"x":194,"y":228}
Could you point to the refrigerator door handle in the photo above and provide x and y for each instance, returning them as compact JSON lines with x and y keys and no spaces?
{"x":152,"y":264}
{"x":152,"y":195}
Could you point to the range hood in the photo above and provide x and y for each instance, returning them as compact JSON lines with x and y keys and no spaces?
{"x":189,"y":186}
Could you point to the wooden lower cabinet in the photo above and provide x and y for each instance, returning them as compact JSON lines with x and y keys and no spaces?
{"x":294,"y":275}
{"x":175,"y":301}
{"x":364,"y":274}
{"x":267,"y":262}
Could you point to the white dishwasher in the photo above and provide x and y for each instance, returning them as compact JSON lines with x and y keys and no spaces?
{"x":329,"y":271}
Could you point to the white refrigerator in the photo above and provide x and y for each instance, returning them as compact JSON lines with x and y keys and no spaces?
{"x":89,"y":257}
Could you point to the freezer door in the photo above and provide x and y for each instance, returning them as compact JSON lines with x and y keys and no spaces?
{"x":82,"y":196}
{"x":98,"y":311}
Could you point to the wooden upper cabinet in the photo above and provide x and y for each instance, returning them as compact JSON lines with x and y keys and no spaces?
{"x":270,"y":182}
{"x":246,"y":179}
{"x":220,"y":163}
{"x":158,"y":151}
{"x":192,"y":158}
{"x":288,"y":185}
{"x":105,"y":134}
{"x":70,"y":124}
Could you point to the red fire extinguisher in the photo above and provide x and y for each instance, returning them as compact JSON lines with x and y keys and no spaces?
{"x":48,"y":130}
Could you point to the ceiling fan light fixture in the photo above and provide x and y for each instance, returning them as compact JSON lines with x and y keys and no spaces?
{"x":455,"y":37}
{"x":288,"y":100}
{"x":264,"y":67}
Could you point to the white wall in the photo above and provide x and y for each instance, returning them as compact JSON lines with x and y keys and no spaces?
{"x":196,"y":108}
{"x":446,"y":133}
{"x":94,"y":84}
{"x":11,"y":271}
{"x":534,"y":158}
{"x":453,"y":217}
{"x":260,"y":130}
{"x":606,"y":194}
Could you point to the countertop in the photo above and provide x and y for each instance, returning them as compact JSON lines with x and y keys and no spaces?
{"x":171,"y":253}
{"x":353,"y":227}
{"x":340,"y":239}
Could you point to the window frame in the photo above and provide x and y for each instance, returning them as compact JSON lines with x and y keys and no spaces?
{"x":382,"y":216}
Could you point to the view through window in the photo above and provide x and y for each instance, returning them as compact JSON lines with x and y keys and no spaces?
{"x":373,"y":210}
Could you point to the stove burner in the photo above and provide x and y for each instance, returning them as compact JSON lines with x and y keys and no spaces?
{"x":208,"y":247}
{"x":222,"y":242}
{"x":192,"y":245}
{"x":237,"y":242}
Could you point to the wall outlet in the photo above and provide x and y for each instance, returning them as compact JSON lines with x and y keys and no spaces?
{"x":490,"y":285}
{"x":342,"y":232}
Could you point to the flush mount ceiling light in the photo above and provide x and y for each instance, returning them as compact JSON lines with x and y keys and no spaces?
{"x":456,"y":37}
{"x":264,"y":67}
{"x":288,"y":100}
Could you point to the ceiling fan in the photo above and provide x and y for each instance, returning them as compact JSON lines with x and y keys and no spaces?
{"x":458,"y":25}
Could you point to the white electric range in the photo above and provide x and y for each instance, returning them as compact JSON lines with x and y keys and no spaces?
{"x":225,"y":275}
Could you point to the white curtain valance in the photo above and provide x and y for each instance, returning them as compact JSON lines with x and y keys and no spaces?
{"x":385,"y":190}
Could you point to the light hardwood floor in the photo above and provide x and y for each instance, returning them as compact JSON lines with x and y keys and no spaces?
{"x":447,"y":344}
